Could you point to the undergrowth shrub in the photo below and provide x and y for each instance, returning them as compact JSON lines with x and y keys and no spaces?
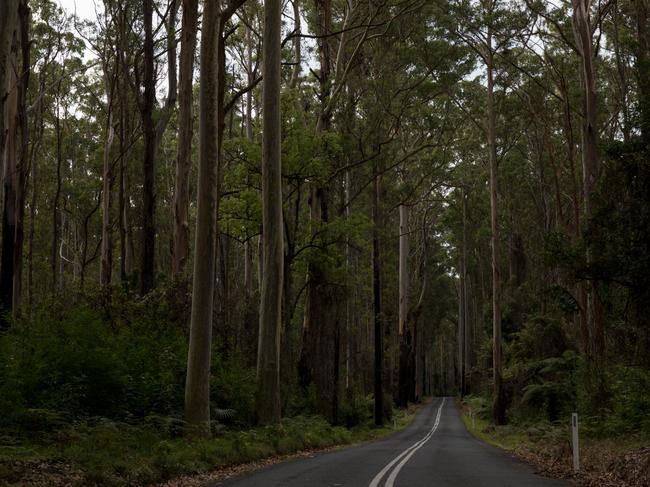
{"x":85,"y":361}
{"x":232,"y":387}
{"x":356,"y":410}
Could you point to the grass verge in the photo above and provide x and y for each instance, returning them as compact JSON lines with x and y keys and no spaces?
{"x":110,"y":453}
{"x":622,"y":461}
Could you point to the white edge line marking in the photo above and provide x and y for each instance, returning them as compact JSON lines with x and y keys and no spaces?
{"x":409,"y":451}
{"x":393,"y":475}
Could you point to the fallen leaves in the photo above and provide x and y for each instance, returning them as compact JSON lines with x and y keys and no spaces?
{"x":225,"y":473}
{"x":603,"y":464}
{"x":41,"y":473}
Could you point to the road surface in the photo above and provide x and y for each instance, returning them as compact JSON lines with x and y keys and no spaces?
{"x":435,"y":450}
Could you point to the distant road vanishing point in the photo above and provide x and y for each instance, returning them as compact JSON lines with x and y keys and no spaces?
{"x":434,"y":451}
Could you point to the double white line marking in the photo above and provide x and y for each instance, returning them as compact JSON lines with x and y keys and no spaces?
{"x":405,"y":456}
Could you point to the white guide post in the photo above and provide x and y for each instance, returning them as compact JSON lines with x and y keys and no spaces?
{"x":574,"y":442}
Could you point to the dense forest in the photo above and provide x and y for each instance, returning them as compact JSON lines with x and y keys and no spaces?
{"x":230,"y":212}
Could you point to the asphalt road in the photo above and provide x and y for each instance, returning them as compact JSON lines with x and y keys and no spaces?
{"x":434,"y":450}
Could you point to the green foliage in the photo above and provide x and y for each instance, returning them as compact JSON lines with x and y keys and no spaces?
{"x":115,"y":453}
{"x":540,"y":337}
{"x":241,"y":208}
{"x":554,"y":387}
{"x":91,"y":361}
{"x":631,"y":385}
{"x":544,"y":374}
{"x":629,"y":410}
{"x":232,"y":388}
{"x":356,"y":410}
{"x":480,"y":406}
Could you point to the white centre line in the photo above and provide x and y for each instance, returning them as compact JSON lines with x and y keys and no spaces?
{"x":405,"y":456}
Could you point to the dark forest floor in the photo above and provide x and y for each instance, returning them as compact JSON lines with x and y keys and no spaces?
{"x":111,"y":453}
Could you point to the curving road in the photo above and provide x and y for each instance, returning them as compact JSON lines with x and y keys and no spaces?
{"x":434,"y":450}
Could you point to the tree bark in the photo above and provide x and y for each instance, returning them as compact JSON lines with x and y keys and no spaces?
{"x":11,"y":78}
{"x":8,"y":25}
{"x":467,"y":327}
{"x":376,"y":291}
{"x":403,"y":268}
{"x":126,"y":239}
{"x":643,"y":66}
{"x":106,"y":259}
{"x":147,"y":266}
{"x":185,"y":131}
{"x":320,"y":331}
{"x":590,"y":164}
{"x":297,"y":45}
{"x":153,"y":135}
{"x":498,"y":405}
{"x":23,"y":156}
{"x":126,"y":143}
{"x":56,"y":215}
{"x":251,"y":315}
{"x":463,"y":328}
{"x":197,"y":385}
{"x":268,"y":358}
{"x":403,"y":284}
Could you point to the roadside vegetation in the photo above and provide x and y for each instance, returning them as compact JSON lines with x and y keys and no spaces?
{"x":100,"y":451}
{"x":93,"y":396}
{"x":614,"y":449}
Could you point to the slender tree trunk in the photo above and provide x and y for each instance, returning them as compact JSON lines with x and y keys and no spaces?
{"x":197,"y":385}
{"x":250,"y":74}
{"x":590,"y":164}
{"x":126,"y":240}
{"x":297,"y":45}
{"x":418,"y":333}
{"x":268,"y":356}
{"x":56,"y":218}
{"x":567,"y":127}
{"x":467,"y":332}
{"x":376,"y":291}
{"x":260,"y":262}
{"x":222,"y":293}
{"x":30,"y":244}
{"x":10,"y":103}
{"x":8,"y":25}
{"x":251,"y":318}
{"x":23,"y":156}
{"x":147,"y":266}
{"x":248,"y":268}
{"x":498,"y":406}
{"x":403,"y":284}
{"x":643,"y":65}
{"x":126,"y":142}
{"x":403,"y":268}
{"x":459,"y":334}
{"x":321,"y":324}
{"x":106,"y":259}
{"x":153,"y":135}
{"x":621,"y":68}
{"x":40,"y":123}
{"x":185,"y":131}
{"x":62,"y":244}
{"x":249,"y":306}
{"x":348,"y":302}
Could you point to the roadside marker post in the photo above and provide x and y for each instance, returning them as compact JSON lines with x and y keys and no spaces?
{"x":575,"y":442}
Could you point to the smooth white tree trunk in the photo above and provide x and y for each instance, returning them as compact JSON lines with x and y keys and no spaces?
{"x":268,"y":358}
{"x":197,"y":385}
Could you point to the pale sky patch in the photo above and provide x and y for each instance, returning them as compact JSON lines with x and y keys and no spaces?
{"x":85,"y":9}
